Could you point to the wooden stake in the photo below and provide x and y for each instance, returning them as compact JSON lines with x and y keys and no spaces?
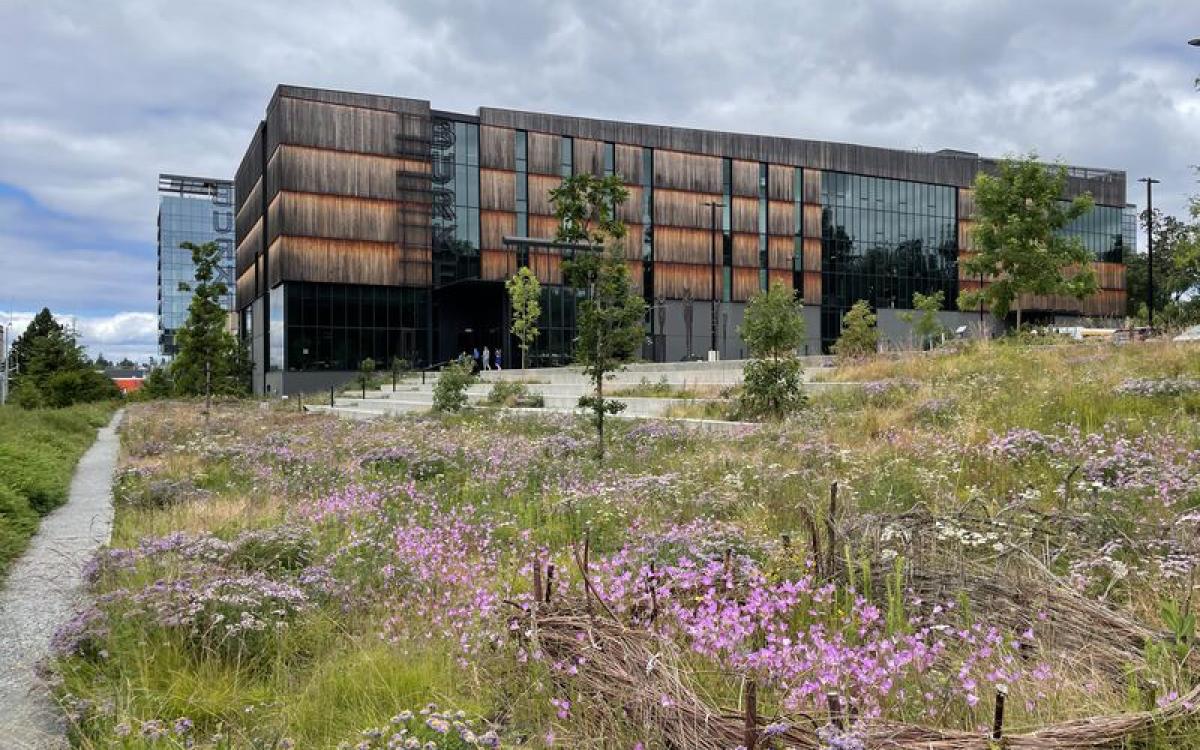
{"x":750,"y":735}
{"x":835,"y":710}
{"x":998,"y":718}
{"x":549,"y":581}
{"x":537,"y":580}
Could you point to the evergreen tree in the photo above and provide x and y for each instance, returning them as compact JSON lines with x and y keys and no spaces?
{"x":610,"y":317}
{"x":101,"y":363}
{"x":43,"y":324}
{"x":210,"y":358}
{"x":525,"y":293}
{"x":55,"y":372}
{"x":1018,"y":237}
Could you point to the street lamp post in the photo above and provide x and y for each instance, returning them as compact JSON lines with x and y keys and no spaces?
{"x":1150,"y":183}
{"x":713,"y":206}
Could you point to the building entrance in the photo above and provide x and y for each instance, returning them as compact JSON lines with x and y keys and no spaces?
{"x":470,"y":315}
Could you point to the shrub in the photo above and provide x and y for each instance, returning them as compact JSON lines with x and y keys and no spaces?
{"x":859,"y":336}
{"x":771,"y":389}
{"x":450,"y":392}
{"x":18,"y":521}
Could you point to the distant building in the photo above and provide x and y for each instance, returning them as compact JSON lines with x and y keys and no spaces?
{"x":377,"y":226}
{"x":190,"y":209}
{"x":128,"y":380}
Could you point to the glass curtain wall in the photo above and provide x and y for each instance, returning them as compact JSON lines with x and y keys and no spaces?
{"x":882,"y":241}
{"x":337,"y":326}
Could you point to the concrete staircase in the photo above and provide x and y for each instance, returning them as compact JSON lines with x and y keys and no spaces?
{"x":559,"y":387}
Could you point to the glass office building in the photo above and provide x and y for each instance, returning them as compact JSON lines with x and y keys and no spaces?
{"x":196,"y":210}
{"x":378,"y":227}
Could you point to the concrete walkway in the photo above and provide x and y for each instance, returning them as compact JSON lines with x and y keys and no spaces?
{"x":41,"y":592}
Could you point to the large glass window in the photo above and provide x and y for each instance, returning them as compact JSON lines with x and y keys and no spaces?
{"x":455,"y":152}
{"x":522,"y":150}
{"x":883,"y":240}
{"x":392,"y":322}
{"x":275,"y":338}
{"x":1108,"y":232}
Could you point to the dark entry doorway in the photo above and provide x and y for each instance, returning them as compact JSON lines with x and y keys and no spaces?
{"x":469,"y":315}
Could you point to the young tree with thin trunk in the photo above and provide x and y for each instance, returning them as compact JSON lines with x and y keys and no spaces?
{"x":210,"y":360}
{"x":525,"y":293}
{"x":773,"y":329}
{"x":1018,"y":237}
{"x":610,"y":317}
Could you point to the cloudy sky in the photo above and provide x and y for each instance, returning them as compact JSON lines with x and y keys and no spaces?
{"x":97,"y":98}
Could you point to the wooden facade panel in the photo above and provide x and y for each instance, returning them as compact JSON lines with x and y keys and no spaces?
{"x":543,"y":227}
{"x":497,"y":148}
{"x":249,"y":247}
{"x":347,"y":262}
{"x":811,"y":260}
{"x":678,"y":208}
{"x":681,"y":245}
{"x":691,"y":172}
{"x":1107,"y":187}
{"x":1105,"y":303}
{"x":781,"y":183}
{"x":786,"y":279}
{"x":304,"y":122}
{"x":588,"y":157}
{"x":545,"y":153}
{"x":497,"y":265}
{"x":497,"y":190}
{"x":745,"y":250}
{"x":812,"y":220}
{"x":546,"y":266}
{"x":250,"y":211}
{"x":629,"y":163}
{"x":745,"y":214}
{"x":636,"y":279}
{"x":745,"y":283}
{"x":745,"y":178}
{"x":781,"y":218}
{"x":966,"y":203}
{"x":632,"y":242}
{"x":494,"y":226}
{"x":966,"y":236}
{"x":677,"y":280}
{"x":1110,"y":275}
{"x":630,"y":211}
{"x":781,"y":252}
{"x":335,"y":217}
{"x":315,"y":170}
{"x":812,"y":288}
{"x":812,"y":186}
{"x":244,"y":288}
{"x":539,"y":194}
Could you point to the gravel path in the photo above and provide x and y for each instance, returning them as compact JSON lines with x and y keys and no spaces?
{"x":43,"y":589}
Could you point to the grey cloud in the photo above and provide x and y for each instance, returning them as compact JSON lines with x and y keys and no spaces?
{"x":97,"y":98}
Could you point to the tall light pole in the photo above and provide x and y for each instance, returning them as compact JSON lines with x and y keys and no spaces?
{"x":713,"y":206}
{"x":3,"y":364}
{"x":1150,"y":183}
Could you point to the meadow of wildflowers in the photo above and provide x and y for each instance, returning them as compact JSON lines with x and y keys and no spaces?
{"x":1005,"y":519}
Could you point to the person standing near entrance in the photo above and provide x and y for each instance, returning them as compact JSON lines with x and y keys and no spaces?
{"x":498,"y":367}
{"x":487,"y":358}
{"x":475,"y":359}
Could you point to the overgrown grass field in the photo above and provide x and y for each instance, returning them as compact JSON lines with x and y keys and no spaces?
{"x":38,"y":452}
{"x":1001,"y":519}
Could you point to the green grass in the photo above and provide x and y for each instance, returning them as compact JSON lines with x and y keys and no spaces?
{"x":338,"y":669}
{"x":38,"y":452}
